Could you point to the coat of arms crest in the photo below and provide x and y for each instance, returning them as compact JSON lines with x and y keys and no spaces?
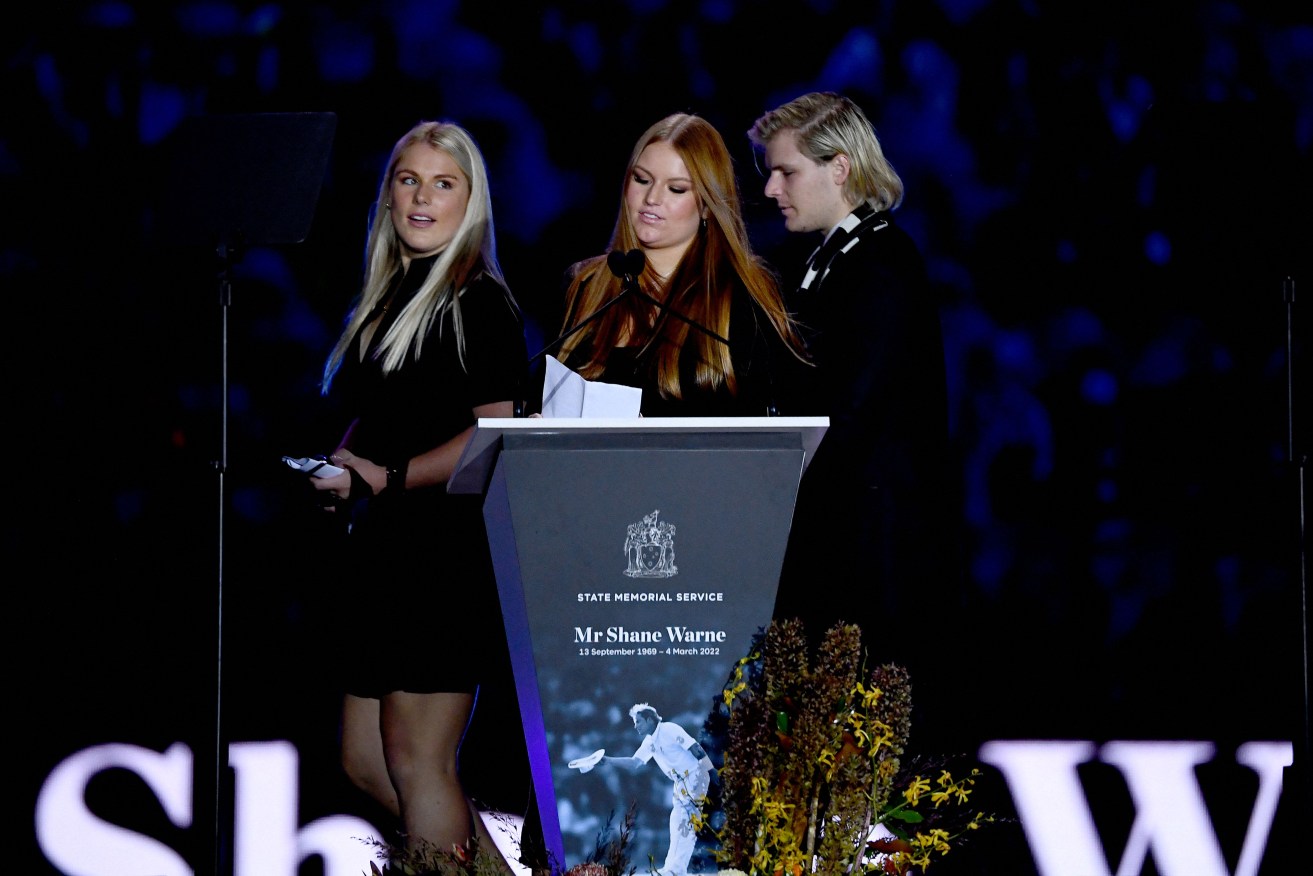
{"x":650,"y":546}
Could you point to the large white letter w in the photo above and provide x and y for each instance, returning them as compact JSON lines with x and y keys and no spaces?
{"x":1171,"y":818}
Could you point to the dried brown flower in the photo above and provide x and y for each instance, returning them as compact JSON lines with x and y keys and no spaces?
{"x":813,"y":760}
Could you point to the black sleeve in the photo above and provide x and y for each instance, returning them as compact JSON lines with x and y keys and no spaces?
{"x":495,"y":354}
{"x":884,"y":362}
{"x":771,"y":378}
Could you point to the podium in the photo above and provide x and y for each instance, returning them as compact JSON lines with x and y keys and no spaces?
{"x":635,"y":561}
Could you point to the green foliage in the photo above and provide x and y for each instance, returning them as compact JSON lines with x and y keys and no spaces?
{"x":423,"y":858}
{"x":610,"y":857}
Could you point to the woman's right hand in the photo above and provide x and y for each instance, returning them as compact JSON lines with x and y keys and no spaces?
{"x":335,"y":489}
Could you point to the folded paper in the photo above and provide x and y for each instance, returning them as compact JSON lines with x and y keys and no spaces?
{"x":568,"y":394}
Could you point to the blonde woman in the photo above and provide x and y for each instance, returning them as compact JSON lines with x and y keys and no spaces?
{"x":434,"y":341}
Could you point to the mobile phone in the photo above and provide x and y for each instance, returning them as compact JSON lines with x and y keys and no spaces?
{"x":310,"y":465}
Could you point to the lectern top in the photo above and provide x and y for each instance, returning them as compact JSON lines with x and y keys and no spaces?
{"x":475,"y":465}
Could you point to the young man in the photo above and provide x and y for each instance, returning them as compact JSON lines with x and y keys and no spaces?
{"x":868,"y":544}
{"x":682,"y":760}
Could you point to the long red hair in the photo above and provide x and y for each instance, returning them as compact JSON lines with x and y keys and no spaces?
{"x":700,"y":288}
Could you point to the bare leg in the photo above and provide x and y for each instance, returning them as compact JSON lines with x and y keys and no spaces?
{"x":402,"y":751}
{"x":362,"y":751}
{"x":421,"y":738}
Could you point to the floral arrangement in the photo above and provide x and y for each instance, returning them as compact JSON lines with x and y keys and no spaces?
{"x":427,"y":859}
{"x":814,"y":779}
{"x":609,"y":858}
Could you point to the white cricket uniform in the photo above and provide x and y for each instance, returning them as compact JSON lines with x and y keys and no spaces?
{"x":668,"y":745}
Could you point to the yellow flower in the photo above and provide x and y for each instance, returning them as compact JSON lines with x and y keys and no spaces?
{"x":853,"y":739}
{"x":914,"y":791}
{"x":884,"y":735}
{"x":936,"y":839}
{"x":921,"y":860}
{"x":868,"y":696}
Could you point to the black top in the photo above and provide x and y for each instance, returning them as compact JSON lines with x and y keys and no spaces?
{"x":760,"y":358}
{"x":420,"y":556}
{"x":872,"y":511}
{"x":428,"y":401}
{"x":872,"y":327}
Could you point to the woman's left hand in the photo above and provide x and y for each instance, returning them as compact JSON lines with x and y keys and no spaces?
{"x":374,"y":475}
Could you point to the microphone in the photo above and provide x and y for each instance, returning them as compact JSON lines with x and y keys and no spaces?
{"x":627,"y":266}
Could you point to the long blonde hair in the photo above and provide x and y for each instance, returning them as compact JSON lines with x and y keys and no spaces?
{"x":701,"y":287}
{"x":472,"y":252}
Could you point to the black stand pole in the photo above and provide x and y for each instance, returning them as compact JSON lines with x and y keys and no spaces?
{"x":1299,"y":460}
{"x":265,"y":171}
{"x":227,"y":256}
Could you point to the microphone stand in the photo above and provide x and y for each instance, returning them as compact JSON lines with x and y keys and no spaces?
{"x":665,"y":308}
{"x":636,"y":255}
{"x":592,"y":317}
{"x":627,"y":266}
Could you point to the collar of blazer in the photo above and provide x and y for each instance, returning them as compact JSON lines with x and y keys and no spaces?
{"x":844,"y":237}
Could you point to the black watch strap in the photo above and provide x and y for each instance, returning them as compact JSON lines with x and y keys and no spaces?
{"x":397,"y":476}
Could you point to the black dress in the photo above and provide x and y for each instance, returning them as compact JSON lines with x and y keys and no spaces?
{"x":422,"y":605}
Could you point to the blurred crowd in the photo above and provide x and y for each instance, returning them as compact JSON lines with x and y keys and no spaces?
{"x":1109,"y":196}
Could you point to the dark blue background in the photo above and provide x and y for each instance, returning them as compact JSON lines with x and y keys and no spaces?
{"x":1111,"y":197}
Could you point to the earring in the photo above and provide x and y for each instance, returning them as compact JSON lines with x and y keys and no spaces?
{"x":388,"y":206}
{"x":704,"y":223}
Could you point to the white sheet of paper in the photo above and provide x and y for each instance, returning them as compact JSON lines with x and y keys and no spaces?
{"x":567,"y":394}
